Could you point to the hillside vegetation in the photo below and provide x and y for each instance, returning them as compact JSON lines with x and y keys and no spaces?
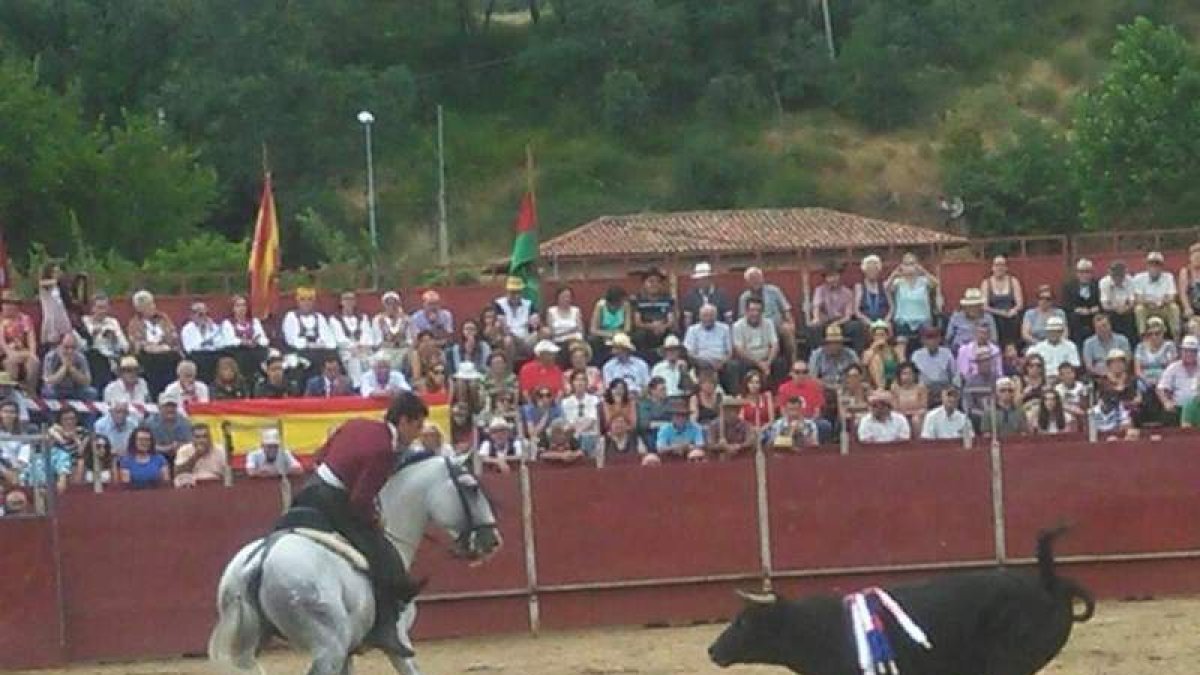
{"x":134,"y":130}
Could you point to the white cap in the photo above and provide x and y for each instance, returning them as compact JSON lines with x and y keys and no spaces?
{"x":672,"y":342}
{"x":390,"y":295}
{"x":498,"y":423}
{"x":166,"y":398}
{"x":466,"y":371}
{"x":702,"y":270}
{"x":270,"y":436}
{"x":1189,"y":342}
{"x":545,"y":347}
{"x":1055,"y":323}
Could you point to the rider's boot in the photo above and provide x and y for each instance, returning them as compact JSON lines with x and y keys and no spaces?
{"x":385,"y":634}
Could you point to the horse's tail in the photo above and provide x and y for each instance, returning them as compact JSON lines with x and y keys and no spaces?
{"x":236,"y":637}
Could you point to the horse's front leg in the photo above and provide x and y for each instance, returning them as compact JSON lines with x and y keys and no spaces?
{"x":402,"y":665}
{"x":348,"y":669}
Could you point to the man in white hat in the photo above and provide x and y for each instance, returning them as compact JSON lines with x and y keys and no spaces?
{"x":130,"y":385}
{"x":1177,"y":386}
{"x":705,"y":292}
{"x":514,"y":310}
{"x":883,"y":424}
{"x":383,"y":381}
{"x":501,"y":447}
{"x":1081,"y":301}
{"x":1155,"y":294}
{"x":673,"y":369}
{"x":270,"y":459}
{"x":542,"y":372}
{"x":967,"y":319}
{"x":169,"y":427}
{"x":1055,"y":349}
{"x":625,"y":365}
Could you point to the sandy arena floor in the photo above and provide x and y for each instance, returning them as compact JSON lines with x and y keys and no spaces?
{"x":1143,"y":638}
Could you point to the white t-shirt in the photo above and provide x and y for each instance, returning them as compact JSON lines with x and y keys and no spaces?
{"x":1055,"y":355}
{"x":566,"y":325}
{"x":895,"y":428}
{"x":582,"y":414}
{"x":1153,"y":290}
{"x":940,"y":425}
{"x":284,"y":462}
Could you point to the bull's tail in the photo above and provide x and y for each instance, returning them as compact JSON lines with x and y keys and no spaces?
{"x":235,"y":639}
{"x":1054,"y":583}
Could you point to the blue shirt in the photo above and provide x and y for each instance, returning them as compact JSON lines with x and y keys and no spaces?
{"x":164,"y":433}
{"x":144,"y":475}
{"x":714,"y":343}
{"x":634,"y":371}
{"x":670,"y":436}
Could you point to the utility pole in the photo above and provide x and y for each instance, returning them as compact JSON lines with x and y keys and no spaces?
{"x":828,"y":30}
{"x":443,"y":229}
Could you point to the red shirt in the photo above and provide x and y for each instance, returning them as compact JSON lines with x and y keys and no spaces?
{"x":360,"y":454}
{"x":535,"y":375}
{"x":810,"y":389}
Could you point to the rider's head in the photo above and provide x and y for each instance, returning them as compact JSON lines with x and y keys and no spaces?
{"x":407,"y":414}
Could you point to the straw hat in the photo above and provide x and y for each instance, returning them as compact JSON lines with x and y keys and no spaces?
{"x":514,"y":284}
{"x":306,"y":293}
{"x":1116,"y":354}
{"x":833,"y":333}
{"x":466,"y":371}
{"x":582,"y":346}
{"x":270,"y":436}
{"x":545,"y":347}
{"x":1055,"y":323}
{"x":672,"y":342}
{"x":498,"y":424}
{"x":1154,"y":323}
{"x":622,"y":341}
{"x":972,"y":297}
{"x":128,"y":362}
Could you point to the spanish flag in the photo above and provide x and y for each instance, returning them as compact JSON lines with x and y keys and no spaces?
{"x":264,"y":255}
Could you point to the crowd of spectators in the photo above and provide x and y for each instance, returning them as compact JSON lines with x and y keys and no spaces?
{"x":702,"y":377}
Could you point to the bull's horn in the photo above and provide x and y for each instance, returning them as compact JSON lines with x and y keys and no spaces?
{"x":758,"y":598}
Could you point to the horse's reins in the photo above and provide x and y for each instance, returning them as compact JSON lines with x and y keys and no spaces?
{"x":455,"y":471}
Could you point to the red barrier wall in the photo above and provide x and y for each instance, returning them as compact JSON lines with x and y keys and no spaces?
{"x":30,"y":630}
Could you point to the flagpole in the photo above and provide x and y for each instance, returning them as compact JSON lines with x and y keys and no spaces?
{"x":529,"y":170}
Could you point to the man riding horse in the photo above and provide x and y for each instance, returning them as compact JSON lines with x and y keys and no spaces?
{"x":353,"y":466}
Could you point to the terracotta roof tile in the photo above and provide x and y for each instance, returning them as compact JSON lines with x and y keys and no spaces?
{"x":765,"y":230}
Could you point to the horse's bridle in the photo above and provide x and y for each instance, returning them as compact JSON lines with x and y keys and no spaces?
{"x":467,"y":536}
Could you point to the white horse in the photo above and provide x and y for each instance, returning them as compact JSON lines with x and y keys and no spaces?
{"x":317,"y":600}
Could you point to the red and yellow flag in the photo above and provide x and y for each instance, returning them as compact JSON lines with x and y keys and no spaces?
{"x":264,"y":254}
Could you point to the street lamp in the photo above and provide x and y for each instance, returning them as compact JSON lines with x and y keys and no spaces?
{"x":366,"y":119}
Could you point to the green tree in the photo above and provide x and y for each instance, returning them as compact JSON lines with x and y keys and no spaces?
{"x":1137,"y":133}
{"x":626,"y":103}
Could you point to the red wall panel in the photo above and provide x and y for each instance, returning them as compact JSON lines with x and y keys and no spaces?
{"x":462,"y":618}
{"x":629,"y":522}
{"x":886,"y":507}
{"x":1121,"y":497}
{"x":30,"y":631}
{"x":682,"y":604}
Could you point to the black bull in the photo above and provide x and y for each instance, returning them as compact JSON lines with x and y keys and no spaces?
{"x":997,"y":622}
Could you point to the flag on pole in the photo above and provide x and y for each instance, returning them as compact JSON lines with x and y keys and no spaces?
{"x":3,"y":260}
{"x":524,"y":260}
{"x":264,"y":254}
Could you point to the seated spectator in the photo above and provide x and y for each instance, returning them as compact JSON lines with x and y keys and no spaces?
{"x":438,"y":322}
{"x":965,"y":361}
{"x":882,"y":356}
{"x":274,"y":382}
{"x":833,"y":305}
{"x":704,"y":292}
{"x":913,"y":290}
{"x":331,"y":382}
{"x":966,"y":323}
{"x":433,"y":442}
{"x":271,"y":459}
{"x":18,"y":338}
{"x":462,"y":428}
{"x":621,"y":439}
{"x":1033,"y":325}
{"x":392,"y":329}
{"x":382,"y":381}
{"x":1189,"y":283}
{"x":498,"y":377}
{"x":201,"y":460}
{"x":435,"y":386}
{"x":141,"y":467}
{"x":872,"y":301}
{"x":541,"y":410}
{"x":564,"y":320}
{"x":793,"y":430}
{"x":1012,"y":363}
{"x":624,"y":365}
{"x":758,"y":405}
{"x":811,"y":393}
{"x":470,"y":347}
{"x":831,"y":359}
{"x":241,"y":330}
{"x":425,"y":356}
{"x":580,"y":362}
{"x":653,"y":411}
{"x":775,"y":308}
{"x":581,"y":410}
{"x":514,"y":311}
{"x":355,"y":337}
{"x":504,"y":404}
{"x":1055,"y":349}
{"x":558,"y":445}
{"x":1190,"y":414}
{"x":117,"y":425}
{"x":170,"y":428}
{"x":1102,"y":343}
{"x":673,"y":369}
{"x":228,"y":383}
{"x":14,"y":454}
{"x":935,"y":364}
{"x":755,"y":341}
{"x":705,"y":404}
{"x":1111,"y":416}
{"x":1004,"y":297}
{"x":1154,"y":353}
{"x":129,"y":385}
{"x":68,"y":434}
{"x":16,"y":503}
{"x":304,"y":328}
{"x":107,"y":342}
{"x":883,"y":424}
{"x":202,"y":340}
{"x":66,"y":373}
{"x":501,"y":448}
{"x":709,"y":343}
{"x":62,"y":468}
{"x":947,"y":422}
{"x":910,"y":397}
{"x":543,"y":371}
{"x":682,"y":438}
{"x":1155,"y":294}
{"x":1033,"y":380}
{"x":9,"y":391}
{"x":731,"y":435}
{"x":1081,"y":302}
{"x":1119,"y":379}
{"x":853,"y":396}
{"x":654,"y":314}
{"x":1006,"y":417}
{"x":465,"y":388}
{"x":187,"y":388}
{"x":1178,"y":383}
{"x":1075,"y":395}
{"x":1117,"y":298}
{"x":1049,"y":416}
{"x":154,"y":341}
{"x":978,"y":387}
{"x":610,"y":316}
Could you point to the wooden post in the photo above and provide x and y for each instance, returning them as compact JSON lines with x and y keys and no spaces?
{"x":530,"y":548}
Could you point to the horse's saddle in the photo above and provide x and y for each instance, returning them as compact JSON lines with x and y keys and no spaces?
{"x":311,"y":524}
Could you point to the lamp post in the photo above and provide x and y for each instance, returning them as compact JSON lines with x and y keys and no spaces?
{"x":366,"y":119}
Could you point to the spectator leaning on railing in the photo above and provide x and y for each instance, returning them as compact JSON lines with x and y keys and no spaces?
{"x":117,"y":424}
{"x":270,"y":459}
{"x":200,"y":460}
{"x":1178,"y":383}
{"x":883,"y":424}
{"x":947,"y":421}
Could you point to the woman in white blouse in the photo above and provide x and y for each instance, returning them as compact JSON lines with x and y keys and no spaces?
{"x":564,"y":321}
{"x":391,"y":330}
{"x":241,"y":329}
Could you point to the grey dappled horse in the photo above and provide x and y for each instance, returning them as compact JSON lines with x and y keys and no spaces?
{"x":318,"y":601}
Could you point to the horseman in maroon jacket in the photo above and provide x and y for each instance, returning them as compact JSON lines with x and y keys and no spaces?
{"x":355,"y":463}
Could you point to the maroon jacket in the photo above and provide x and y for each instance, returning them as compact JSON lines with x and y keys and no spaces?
{"x":360,"y":454}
